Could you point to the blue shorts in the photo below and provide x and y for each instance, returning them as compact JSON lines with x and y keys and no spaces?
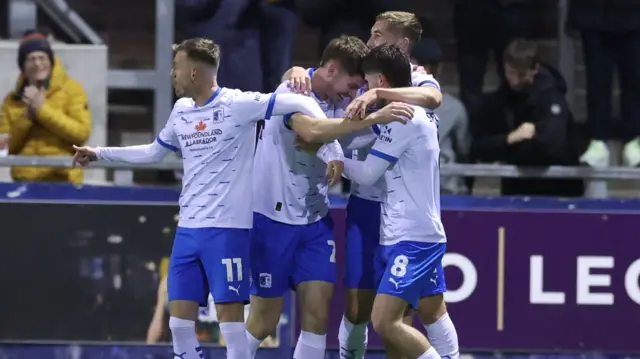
{"x":363,"y":240}
{"x":411,"y":270}
{"x":285,"y":255}
{"x":212,"y":260}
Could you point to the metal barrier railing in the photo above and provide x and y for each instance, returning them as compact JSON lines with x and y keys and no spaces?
{"x":593,"y":176}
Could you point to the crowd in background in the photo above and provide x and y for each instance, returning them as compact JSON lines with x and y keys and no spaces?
{"x":527,"y":121}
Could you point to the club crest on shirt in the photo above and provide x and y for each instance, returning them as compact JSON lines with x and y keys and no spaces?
{"x":218,"y":115}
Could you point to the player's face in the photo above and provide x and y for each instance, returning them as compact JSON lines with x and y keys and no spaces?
{"x":182,"y":74}
{"x":375,"y":80}
{"x":519,"y":79}
{"x":381,"y":35}
{"x":342,"y":84}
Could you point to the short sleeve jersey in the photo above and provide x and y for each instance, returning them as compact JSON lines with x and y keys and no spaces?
{"x":411,"y":199}
{"x":216,"y":142}
{"x":289,"y":185}
{"x":418,"y":79}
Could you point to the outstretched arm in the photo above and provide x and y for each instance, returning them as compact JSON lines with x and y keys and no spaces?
{"x":149,"y":153}
{"x":325,"y":130}
{"x":250,"y":107}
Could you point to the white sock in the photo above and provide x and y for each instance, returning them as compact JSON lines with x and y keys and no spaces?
{"x":185,"y":342}
{"x":443,"y":337}
{"x":310,"y":346}
{"x":353,"y":339}
{"x":254,"y":344}
{"x":430,"y":354}
{"x":234,"y":334}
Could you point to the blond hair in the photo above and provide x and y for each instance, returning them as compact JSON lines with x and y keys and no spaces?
{"x":200,"y":50}
{"x":404,"y":23}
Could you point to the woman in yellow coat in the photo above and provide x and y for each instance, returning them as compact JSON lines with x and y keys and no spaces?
{"x":45,"y":115}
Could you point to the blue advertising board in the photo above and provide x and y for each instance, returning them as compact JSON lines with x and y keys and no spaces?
{"x":524,"y":275}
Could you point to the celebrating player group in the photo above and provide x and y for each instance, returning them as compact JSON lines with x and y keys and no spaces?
{"x":252,"y":227}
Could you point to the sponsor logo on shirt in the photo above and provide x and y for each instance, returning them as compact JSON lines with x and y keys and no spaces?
{"x":385,"y":135}
{"x":201,"y":136}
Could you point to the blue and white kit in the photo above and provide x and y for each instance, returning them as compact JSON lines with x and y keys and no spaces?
{"x":363,"y":213}
{"x":292,"y":239}
{"x":404,"y":164}
{"x":216,"y":141}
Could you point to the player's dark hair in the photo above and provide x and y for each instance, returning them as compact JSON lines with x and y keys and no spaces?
{"x":389,"y":61}
{"x":347,"y":51}
{"x":200,"y":50}
{"x":522,"y":55}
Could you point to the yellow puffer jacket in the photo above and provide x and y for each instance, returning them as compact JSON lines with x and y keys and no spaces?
{"x":64,"y":120}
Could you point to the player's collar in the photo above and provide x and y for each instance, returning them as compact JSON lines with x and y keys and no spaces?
{"x":213,"y":97}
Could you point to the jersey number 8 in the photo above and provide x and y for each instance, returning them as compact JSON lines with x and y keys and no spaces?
{"x":399,"y":267}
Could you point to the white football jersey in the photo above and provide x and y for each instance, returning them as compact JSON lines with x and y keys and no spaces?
{"x":418,"y":79}
{"x":217,"y":142}
{"x":290,"y":186}
{"x":411,"y":195}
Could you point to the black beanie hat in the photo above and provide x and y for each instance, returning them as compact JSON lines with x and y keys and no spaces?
{"x":33,"y":44}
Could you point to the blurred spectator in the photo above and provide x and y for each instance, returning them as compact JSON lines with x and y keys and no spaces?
{"x":483,"y":27}
{"x":256,"y":38}
{"x":41,"y":31}
{"x":528,"y":123}
{"x":342,"y":17}
{"x":610,"y":32}
{"x":278,"y":25}
{"x":453,"y":130}
{"x":46,"y":114}
{"x":235,"y":26}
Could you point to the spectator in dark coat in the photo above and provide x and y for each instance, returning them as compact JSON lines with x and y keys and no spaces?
{"x":528,"y":123}
{"x":482,"y":28}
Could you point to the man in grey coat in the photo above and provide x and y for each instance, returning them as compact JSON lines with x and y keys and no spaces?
{"x":454,"y":133}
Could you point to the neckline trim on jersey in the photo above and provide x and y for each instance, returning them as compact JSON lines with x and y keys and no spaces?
{"x":210,"y":100}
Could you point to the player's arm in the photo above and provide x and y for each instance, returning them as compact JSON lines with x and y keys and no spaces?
{"x":165,"y":143}
{"x":426,"y":93}
{"x":325,"y":130}
{"x":424,"y":96}
{"x":393,"y":140}
{"x":251,"y":107}
{"x":359,"y":139}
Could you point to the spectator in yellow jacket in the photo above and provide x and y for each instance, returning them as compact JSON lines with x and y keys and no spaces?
{"x":46,"y":114}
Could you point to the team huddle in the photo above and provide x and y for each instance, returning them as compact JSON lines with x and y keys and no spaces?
{"x":254,"y":222}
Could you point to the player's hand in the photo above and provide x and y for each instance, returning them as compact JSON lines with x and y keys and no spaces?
{"x":334,"y":172}
{"x":300,"y":81}
{"x":84,"y":155}
{"x":358,"y":107}
{"x":393,"y":112}
{"x":305,"y":146}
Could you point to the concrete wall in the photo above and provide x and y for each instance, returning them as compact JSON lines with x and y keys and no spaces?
{"x":86,"y":63}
